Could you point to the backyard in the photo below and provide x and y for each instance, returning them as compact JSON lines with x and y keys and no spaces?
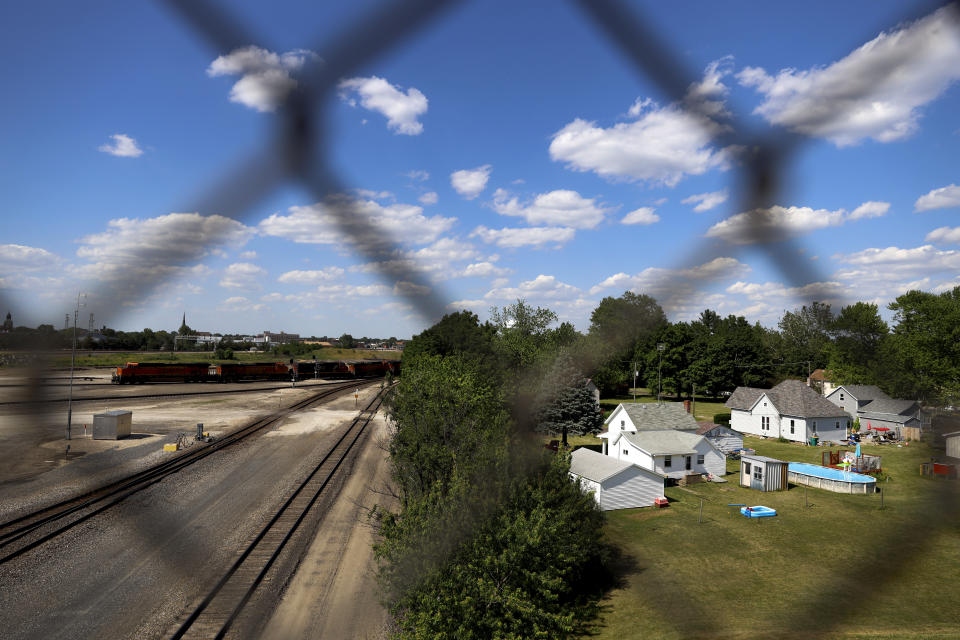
{"x":828,"y":565}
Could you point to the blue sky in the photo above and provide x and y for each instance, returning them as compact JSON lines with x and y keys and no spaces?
{"x":509,"y":151}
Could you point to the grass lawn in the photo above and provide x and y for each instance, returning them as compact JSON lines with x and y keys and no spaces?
{"x":112,"y":359}
{"x":840,"y":567}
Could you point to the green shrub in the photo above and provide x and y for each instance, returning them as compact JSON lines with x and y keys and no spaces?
{"x":722,"y":418}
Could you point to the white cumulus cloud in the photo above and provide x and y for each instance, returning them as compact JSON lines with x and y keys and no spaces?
{"x":524,"y":237}
{"x":429,"y":198}
{"x":643,"y":215}
{"x":311,"y":276}
{"x":778,"y":223}
{"x":469,"y":183}
{"x":557,"y":208}
{"x":877,"y":91}
{"x":265,"y":77}
{"x":706,"y":201}
{"x":401,"y":110}
{"x":944,"y":235}
{"x":317,"y":223}
{"x":661,"y":146}
{"x":942,"y":198}
{"x":243,"y":275}
{"x":121,"y":145}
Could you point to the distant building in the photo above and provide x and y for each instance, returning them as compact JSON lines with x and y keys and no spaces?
{"x":822,"y":381}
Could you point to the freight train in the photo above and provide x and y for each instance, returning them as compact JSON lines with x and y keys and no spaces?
{"x":141,"y":372}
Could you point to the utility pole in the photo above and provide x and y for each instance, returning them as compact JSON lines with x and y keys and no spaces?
{"x":73,"y":361}
{"x":660,"y":348}
{"x":635,"y":381}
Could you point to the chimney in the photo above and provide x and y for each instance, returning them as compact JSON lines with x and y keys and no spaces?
{"x":686,"y":405}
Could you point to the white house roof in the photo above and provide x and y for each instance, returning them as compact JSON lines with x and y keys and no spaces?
{"x":591,"y":465}
{"x":665,"y":442}
{"x":652,"y":416}
{"x":761,"y":459}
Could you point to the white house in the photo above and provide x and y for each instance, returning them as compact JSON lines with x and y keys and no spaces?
{"x":647,"y":416}
{"x":672,"y":453}
{"x":723,"y":438}
{"x":615,"y":484}
{"x":952,"y":441}
{"x":791,"y":410}
{"x":875,"y":408}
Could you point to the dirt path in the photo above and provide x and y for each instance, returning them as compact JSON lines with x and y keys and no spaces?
{"x":334,"y":593}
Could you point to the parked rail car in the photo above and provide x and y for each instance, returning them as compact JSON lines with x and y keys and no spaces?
{"x":140,"y":372}
{"x":243,"y":371}
{"x":372,"y":369}
{"x":332,"y":369}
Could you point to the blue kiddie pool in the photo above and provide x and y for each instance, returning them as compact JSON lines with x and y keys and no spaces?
{"x":758,"y":512}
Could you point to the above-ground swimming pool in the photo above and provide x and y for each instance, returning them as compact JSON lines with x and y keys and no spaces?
{"x":813,"y":475}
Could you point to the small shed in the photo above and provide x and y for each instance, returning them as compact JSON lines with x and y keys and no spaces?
{"x":723,"y":438}
{"x":763,"y":473}
{"x":615,"y":484}
{"x":112,"y":425}
{"x":953,"y":444}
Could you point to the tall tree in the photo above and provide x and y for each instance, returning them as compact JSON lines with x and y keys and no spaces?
{"x":620,"y":332}
{"x":921,"y":358}
{"x":858,"y":333}
{"x":523,"y":332}
{"x":806,"y":337}
{"x":564,"y":403}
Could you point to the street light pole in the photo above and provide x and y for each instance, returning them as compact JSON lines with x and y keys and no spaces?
{"x":660,"y":348}
{"x":73,"y":360}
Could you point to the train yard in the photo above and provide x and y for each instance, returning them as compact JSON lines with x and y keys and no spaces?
{"x":126,"y":540}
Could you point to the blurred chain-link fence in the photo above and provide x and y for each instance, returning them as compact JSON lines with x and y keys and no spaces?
{"x":297,"y":152}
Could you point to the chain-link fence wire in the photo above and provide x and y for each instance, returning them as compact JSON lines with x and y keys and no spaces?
{"x":296,"y":154}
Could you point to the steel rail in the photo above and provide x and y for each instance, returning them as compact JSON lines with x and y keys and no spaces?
{"x":225,"y":602}
{"x":115,"y":492}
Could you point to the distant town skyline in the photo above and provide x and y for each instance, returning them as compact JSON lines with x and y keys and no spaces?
{"x":545,"y":166}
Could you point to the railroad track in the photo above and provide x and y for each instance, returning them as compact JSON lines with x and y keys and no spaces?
{"x":114,"y":398}
{"x":214,"y":616}
{"x":29,"y":531}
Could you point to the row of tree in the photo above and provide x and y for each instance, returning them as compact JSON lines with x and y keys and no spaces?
{"x":918,"y":358}
{"x":491,"y":539}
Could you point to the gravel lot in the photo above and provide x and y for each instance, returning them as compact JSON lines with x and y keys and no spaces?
{"x":130,"y":572}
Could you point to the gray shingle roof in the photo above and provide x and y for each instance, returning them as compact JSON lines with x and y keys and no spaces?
{"x":598,"y":467}
{"x":743,"y":398}
{"x":665,"y":442}
{"x":864,"y":392}
{"x":794,"y":398}
{"x":891,"y":406}
{"x":790,"y":397}
{"x":650,"y":416}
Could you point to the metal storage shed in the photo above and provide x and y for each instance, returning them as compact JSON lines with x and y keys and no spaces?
{"x":112,"y":425}
{"x":953,"y":444}
{"x":763,"y":473}
{"x":615,"y":484}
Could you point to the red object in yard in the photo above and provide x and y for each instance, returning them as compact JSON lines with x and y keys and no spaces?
{"x":942,"y":469}
{"x":661,"y":502}
{"x":881,"y":428}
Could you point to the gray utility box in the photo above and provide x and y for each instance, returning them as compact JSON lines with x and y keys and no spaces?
{"x":112,"y":425}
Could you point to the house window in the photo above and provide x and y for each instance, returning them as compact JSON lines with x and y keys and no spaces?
{"x":764,"y":404}
{"x":838,"y":424}
{"x":746,"y":468}
{"x":626,"y":452}
{"x":758,"y":472}
{"x":841,"y":397}
{"x":814,"y":426}
{"x":700,"y":459}
{"x":622,"y":422}
{"x":667,"y":461}
{"x":791,"y":426}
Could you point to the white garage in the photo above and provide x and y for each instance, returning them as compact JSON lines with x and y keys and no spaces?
{"x":615,"y":484}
